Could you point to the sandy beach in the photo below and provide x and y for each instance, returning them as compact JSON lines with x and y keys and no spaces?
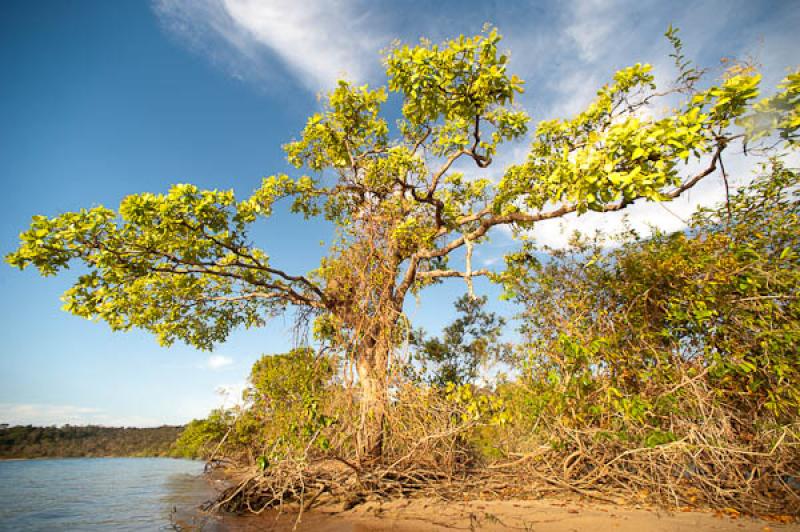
{"x":546,"y":515}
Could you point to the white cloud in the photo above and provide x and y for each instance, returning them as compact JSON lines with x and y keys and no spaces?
{"x":48,"y":415}
{"x":231,"y":394}
{"x":319,"y":41}
{"x":596,"y":37}
{"x":592,"y":25}
{"x":641,"y":216}
{"x":218,"y":362}
{"x":576,"y":90}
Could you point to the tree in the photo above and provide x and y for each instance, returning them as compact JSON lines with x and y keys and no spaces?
{"x":468,"y":343}
{"x":182,"y":266}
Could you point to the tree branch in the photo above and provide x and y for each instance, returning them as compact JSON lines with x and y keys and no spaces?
{"x":434,"y":274}
{"x":529,"y":218}
{"x":258,"y":265}
{"x":442,"y":170}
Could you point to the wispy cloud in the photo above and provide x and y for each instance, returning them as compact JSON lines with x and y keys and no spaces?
{"x":231,"y":394}
{"x":215,"y":362}
{"x":318,"y":41}
{"x":565,"y":50}
{"x":591,"y":26}
{"x":602,"y":36}
{"x":48,"y":415}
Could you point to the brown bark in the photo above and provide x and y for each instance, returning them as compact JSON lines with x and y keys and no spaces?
{"x":373,"y":387}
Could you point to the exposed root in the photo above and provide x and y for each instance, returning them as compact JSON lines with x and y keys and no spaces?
{"x":430,"y":451}
{"x":691,"y":472}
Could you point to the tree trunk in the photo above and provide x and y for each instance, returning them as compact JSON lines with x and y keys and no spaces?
{"x":373,"y":385}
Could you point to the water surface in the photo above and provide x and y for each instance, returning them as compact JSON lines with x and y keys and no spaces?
{"x":101,"y":493}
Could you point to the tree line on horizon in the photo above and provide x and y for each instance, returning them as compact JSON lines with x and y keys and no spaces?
{"x":71,"y":441}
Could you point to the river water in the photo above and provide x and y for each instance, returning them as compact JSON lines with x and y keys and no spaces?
{"x":103,"y":494}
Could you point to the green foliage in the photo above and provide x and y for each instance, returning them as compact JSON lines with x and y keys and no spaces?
{"x":477,"y":406}
{"x":284,"y":412}
{"x":287,"y":393}
{"x":780,"y":113}
{"x":612,"y":152}
{"x":202,"y":437}
{"x":285,"y":380}
{"x":449,"y":87}
{"x":467,"y":344}
{"x":689,"y":74}
{"x":614,"y":335}
{"x":350,"y":126}
{"x":181,"y":265}
{"x":164,"y":263}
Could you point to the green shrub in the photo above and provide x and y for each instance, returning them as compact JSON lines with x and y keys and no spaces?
{"x":202,"y":436}
{"x":615,"y":336}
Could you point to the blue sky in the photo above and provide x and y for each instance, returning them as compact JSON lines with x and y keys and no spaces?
{"x":102,"y":99}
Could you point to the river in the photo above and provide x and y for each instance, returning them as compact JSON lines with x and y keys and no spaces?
{"x":103,"y":494}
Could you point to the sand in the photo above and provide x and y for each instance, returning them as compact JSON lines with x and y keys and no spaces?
{"x":534,"y":516}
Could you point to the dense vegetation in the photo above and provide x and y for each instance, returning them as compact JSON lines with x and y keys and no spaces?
{"x":663,"y":367}
{"x":402,"y":202}
{"x":672,"y":363}
{"x":90,"y":441}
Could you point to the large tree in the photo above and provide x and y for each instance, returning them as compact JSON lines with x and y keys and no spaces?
{"x":182,"y":265}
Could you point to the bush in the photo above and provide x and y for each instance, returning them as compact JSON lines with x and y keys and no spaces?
{"x":612,"y":335}
{"x":287,"y":398}
{"x":282,"y":412}
{"x":201,"y":437}
{"x":670,"y":364}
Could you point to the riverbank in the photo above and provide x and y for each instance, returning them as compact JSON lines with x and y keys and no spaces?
{"x":544,"y":515}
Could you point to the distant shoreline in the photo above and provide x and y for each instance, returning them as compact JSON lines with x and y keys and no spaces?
{"x":93,"y":457}
{"x":87,"y":441}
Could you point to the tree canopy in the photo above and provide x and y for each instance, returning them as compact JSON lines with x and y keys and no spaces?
{"x":183,"y":266}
